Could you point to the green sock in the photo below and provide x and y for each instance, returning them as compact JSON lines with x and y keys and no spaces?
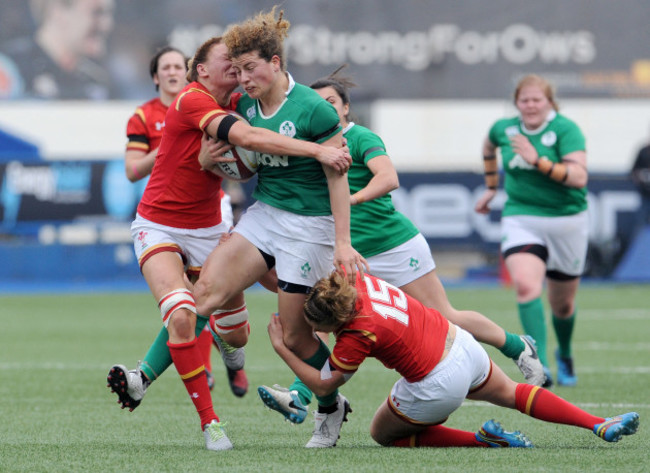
{"x":563,"y":332}
{"x":317,"y":361}
{"x":158,"y":359}
{"x":513,"y":347}
{"x":531,"y":314}
{"x":304,"y":393}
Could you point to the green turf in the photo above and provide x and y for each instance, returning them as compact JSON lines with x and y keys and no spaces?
{"x":57,"y":414}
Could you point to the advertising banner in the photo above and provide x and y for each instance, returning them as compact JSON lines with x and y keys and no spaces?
{"x":411,"y":49}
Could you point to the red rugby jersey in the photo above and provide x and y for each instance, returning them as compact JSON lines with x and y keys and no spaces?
{"x":392,"y":327}
{"x":179,"y":194}
{"x":144,"y":129}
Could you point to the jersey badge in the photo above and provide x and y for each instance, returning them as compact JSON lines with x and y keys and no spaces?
{"x":287,"y":128}
{"x":549,"y":138}
{"x":306,"y":269}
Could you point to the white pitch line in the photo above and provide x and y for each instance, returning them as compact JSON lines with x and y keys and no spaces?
{"x":585,"y":405}
{"x":614,"y":315}
{"x":609,"y":346}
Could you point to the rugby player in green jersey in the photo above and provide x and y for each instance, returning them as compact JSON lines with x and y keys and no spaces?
{"x":300,"y":223}
{"x":394,"y":248}
{"x":544,"y":220}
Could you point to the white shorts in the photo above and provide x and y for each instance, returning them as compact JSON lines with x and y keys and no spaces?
{"x":565,"y":238}
{"x":303,"y":246}
{"x":192,"y":245}
{"x":227,"y":215}
{"x":431,"y":400}
{"x":404,"y":263}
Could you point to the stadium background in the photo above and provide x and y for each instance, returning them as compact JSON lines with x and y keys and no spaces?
{"x":432,"y":77}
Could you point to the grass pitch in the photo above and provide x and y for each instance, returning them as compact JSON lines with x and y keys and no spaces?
{"x":58,"y":415}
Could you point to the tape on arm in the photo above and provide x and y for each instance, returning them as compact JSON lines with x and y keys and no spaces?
{"x":326,"y":372}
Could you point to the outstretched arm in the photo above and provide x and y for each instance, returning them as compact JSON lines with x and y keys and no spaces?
{"x":307,"y":374}
{"x":266,"y":141}
{"x":491,"y":177}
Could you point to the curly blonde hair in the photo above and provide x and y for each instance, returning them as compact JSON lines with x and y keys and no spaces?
{"x":262,"y":33}
{"x":331,"y":301}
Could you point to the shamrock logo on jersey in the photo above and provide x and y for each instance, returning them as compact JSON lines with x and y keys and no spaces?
{"x":288,"y":129}
{"x":415,"y":264}
{"x":305,"y":268}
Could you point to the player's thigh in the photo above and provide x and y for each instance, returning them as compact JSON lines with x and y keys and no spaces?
{"x":237,"y":263}
{"x":164,"y":273}
{"x":527,"y":272}
{"x":499,"y":389}
{"x":386,"y":426}
{"x":429,"y":290}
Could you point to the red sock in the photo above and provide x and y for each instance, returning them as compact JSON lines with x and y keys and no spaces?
{"x":189,"y":364}
{"x":439,"y":436}
{"x":544,"y":405}
{"x":205,"y":347}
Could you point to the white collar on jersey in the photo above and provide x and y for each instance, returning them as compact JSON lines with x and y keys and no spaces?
{"x":551,"y":115}
{"x":292,"y":84}
{"x":347,"y":128}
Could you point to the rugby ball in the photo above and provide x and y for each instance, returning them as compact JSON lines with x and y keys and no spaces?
{"x":245,"y":165}
{"x":243,"y":168}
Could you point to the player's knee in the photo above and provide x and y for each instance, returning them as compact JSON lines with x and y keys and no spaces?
{"x":237,"y":338}
{"x":208,"y":299}
{"x":526,"y":290}
{"x":181,"y":326}
{"x":378,"y":437}
{"x":563,"y":310}
{"x":179,"y":306}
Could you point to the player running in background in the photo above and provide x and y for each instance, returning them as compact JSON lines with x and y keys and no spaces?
{"x":440,"y":365}
{"x":395,"y":250}
{"x":177,"y":226}
{"x":168,"y":68}
{"x":544,"y":220}
{"x":300,"y":222}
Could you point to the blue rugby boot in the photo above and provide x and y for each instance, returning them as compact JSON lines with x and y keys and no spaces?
{"x":284,"y":401}
{"x":615,"y":427}
{"x":492,"y":434}
{"x":565,"y":374}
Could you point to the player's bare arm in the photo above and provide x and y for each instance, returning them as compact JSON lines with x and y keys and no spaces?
{"x":384,"y":180}
{"x":262,"y":140}
{"x":489,"y":159}
{"x":345,"y":256}
{"x":309,"y":375}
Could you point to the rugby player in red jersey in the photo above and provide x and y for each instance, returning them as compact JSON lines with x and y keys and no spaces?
{"x":440,"y":363}
{"x":176,"y":225}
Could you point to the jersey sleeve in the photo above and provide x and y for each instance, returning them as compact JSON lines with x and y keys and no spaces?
{"x":136,"y":132}
{"x":371,"y":146}
{"x":351,"y":349}
{"x":571,"y":139}
{"x":198,"y":108}
{"x":324,"y":122}
{"x":493,"y":134}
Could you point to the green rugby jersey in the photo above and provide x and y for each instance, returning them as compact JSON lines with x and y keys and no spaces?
{"x":529,"y":191}
{"x":291,"y":183}
{"x":375,"y":225}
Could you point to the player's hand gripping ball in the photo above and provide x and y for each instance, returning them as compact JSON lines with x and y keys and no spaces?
{"x":245,"y":165}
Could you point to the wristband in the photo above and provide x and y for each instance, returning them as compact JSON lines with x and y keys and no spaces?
{"x":559,"y":172}
{"x":491,"y":173}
